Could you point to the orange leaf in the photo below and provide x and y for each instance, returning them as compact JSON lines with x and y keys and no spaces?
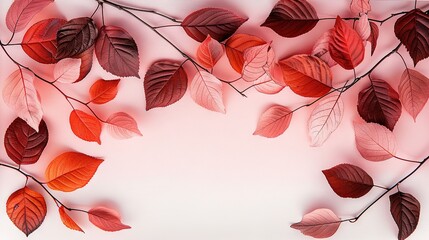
{"x":27,"y":209}
{"x":106,"y":219}
{"x":103,"y":91}
{"x":235,"y":47}
{"x":85,"y":126}
{"x":68,"y":221}
{"x":70,"y":171}
{"x":209,"y":52}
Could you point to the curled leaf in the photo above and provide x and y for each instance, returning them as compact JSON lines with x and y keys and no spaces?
{"x":106,"y":219}
{"x":320,"y":223}
{"x":373,"y":37}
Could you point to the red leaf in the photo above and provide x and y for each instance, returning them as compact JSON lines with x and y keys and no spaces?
{"x":206,"y":91}
{"x":373,"y":37}
{"x":40,"y":40}
{"x":291,"y":18}
{"x":21,"y":12}
{"x":321,"y":49}
{"x":405,"y":210}
{"x":86,"y":59}
{"x":70,"y":171}
{"x":306,"y":75}
{"x":122,"y":126}
{"x":320,"y":223}
{"x":412,"y":30}
{"x":75,"y":37}
{"x":117,"y":52}
{"x":346,"y":46}
{"x":255,"y":60}
{"x":23,"y":144}
{"x":348,"y":181}
{"x":209,"y":52}
{"x":67,"y":70}
{"x":67,"y":220}
{"x":106,"y":219}
{"x":164,"y":83}
{"x":85,"y":126}
{"x":380,"y":103}
{"x":103,"y":91}
{"x":267,"y":85}
{"x":235,"y":47}
{"x":27,"y":209}
{"x":219,"y":23}
{"x":274,"y":121}
{"x":357,"y":7}
{"x":374,"y":142}
{"x":413,"y":91}
{"x":363,"y":27}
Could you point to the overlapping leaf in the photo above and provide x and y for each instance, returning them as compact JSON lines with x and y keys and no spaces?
{"x":235,"y":47}
{"x":86,"y":59}
{"x":320,"y":223}
{"x":363,"y":27}
{"x":85,"y":126}
{"x":122,"y":126}
{"x":357,"y":7}
{"x":373,"y":37}
{"x":106,"y":219}
{"x":321,"y":48}
{"x":209,"y":52}
{"x":21,"y":12}
{"x":67,"y":70}
{"x":274,"y":121}
{"x":267,"y":85}
{"x":67,"y":220}
{"x":413,"y":91}
{"x":255,"y":58}
{"x":405,"y":210}
{"x":103,"y":91}
{"x":206,"y":91}
{"x":374,"y":141}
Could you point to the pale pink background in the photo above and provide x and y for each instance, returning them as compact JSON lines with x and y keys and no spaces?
{"x":199,"y":175}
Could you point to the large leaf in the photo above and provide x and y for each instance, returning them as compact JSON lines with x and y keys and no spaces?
{"x":103,"y":91}
{"x":235,"y":47}
{"x":405,"y":210}
{"x":122,"y":126}
{"x":374,"y":141}
{"x":70,"y":171}
{"x":27,"y":209}
{"x":209,"y":52}
{"x":255,"y":59}
{"x":206,"y":91}
{"x":413,"y":91}
{"x":85,"y":126}
{"x":291,"y":18}
{"x":117,"y":52}
{"x":67,"y":70}
{"x":357,"y":7}
{"x":67,"y":220}
{"x":23,"y":144}
{"x":219,"y":23}
{"x":348,"y":181}
{"x":20,"y":94}
{"x":21,"y":12}
{"x":321,"y":48}
{"x":164,"y":84}
{"x":320,"y":223}
{"x":306,"y":75}
{"x":373,"y":37}
{"x":379,"y":103}
{"x":413,"y":31}
{"x":274,"y":121}
{"x":106,"y":219}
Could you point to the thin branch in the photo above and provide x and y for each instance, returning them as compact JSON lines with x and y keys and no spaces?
{"x":370,"y":19}
{"x":406,"y":160}
{"x":167,"y":26}
{"x":95,"y":11}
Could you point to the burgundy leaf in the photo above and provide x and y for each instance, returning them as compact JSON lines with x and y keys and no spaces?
{"x":413,"y":91}
{"x":86,"y":59}
{"x":21,"y":12}
{"x":320,"y":223}
{"x":373,"y":37}
{"x":405,"y":210}
{"x":274,"y":121}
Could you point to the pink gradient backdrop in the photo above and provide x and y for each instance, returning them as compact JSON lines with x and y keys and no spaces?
{"x":199,"y":175}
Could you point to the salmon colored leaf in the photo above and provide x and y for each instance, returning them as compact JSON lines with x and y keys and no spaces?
{"x":85,"y":126}
{"x":21,"y":12}
{"x":267,"y":85}
{"x":103,"y":91}
{"x":276,"y":73}
{"x":320,"y":223}
{"x":219,"y":23}
{"x":374,"y":141}
{"x":349,"y":181}
{"x":23,"y":144}
{"x":346,"y":46}
{"x":209,"y":52}
{"x":106,"y":219}
{"x":86,"y":59}
{"x":164,"y":84}
{"x":26,"y":208}
{"x":325,"y":119}
{"x":122,"y":126}
{"x":413,"y":91}
{"x":67,"y":220}
{"x":373,"y":37}
{"x":67,"y":70}
{"x":363,"y":27}
{"x":206,"y":91}
{"x":357,"y":7}
{"x":306,"y":75}
{"x":21,"y":96}
{"x":255,"y":59}
{"x":235,"y":47}
{"x":405,"y":210}
{"x":273,"y":122}
{"x":321,"y":49}
{"x":117,"y":52}
{"x":75,"y":37}
{"x":291,"y":18}
{"x":412,"y":30}
{"x":40,"y":40}
{"x":380,"y":103}
{"x":70,"y":171}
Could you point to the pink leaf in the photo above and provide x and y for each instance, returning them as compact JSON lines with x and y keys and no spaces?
{"x":255,"y":58}
{"x":360,"y":6}
{"x":413,"y":91}
{"x":321,"y":49}
{"x":320,"y":223}
{"x":21,"y":12}
{"x":273,"y":122}
{"x":209,"y":52}
{"x":374,"y":141}
{"x":106,"y":219}
{"x":20,"y":94}
{"x":363,"y":27}
{"x":122,"y":126}
{"x":67,"y":70}
{"x":267,"y":85}
{"x":206,"y":90}
{"x":276,"y":74}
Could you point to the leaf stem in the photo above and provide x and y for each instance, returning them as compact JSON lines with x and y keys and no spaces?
{"x":406,"y":160}
{"x":381,"y":21}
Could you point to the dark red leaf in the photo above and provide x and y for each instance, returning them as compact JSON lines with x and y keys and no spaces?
{"x":21,"y":12}
{"x":23,"y":144}
{"x":291,"y":18}
{"x":405,"y":210}
{"x":86,"y":63}
{"x":373,"y":37}
{"x":117,"y":52}
{"x":219,"y":23}
{"x":413,"y":31}
{"x":164,"y":83}
{"x":75,"y":37}
{"x":348,"y":181}
{"x":380,"y":103}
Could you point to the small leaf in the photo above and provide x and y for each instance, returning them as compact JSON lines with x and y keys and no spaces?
{"x":321,"y":49}
{"x":267,"y":85}
{"x":67,"y":220}
{"x":206,"y":91}
{"x":103,"y":91}
{"x":349,"y":181}
{"x":70,"y":171}
{"x":291,"y":18}
{"x":106,"y":219}
{"x":117,"y":52}
{"x":122,"y":126}
{"x":23,"y":144}
{"x":320,"y":223}
{"x":255,"y":59}
{"x":413,"y":91}
{"x":357,"y":7}
{"x":67,"y":70}
{"x":209,"y":52}
{"x":86,"y":59}
{"x":219,"y":23}
{"x":235,"y":47}
{"x":373,"y":37}
{"x":274,"y":121}
{"x":405,"y":210}
{"x":374,"y":141}
{"x":21,"y":12}
{"x":85,"y":126}
{"x":363,"y":27}
{"x":26,"y":209}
